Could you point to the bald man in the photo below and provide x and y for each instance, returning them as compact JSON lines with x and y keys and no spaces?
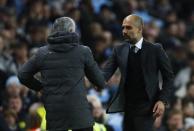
{"x":63,"y":63}
{"x":140,"y":62}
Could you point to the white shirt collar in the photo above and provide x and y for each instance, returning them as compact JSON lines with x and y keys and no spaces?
{"x":139,"y":43}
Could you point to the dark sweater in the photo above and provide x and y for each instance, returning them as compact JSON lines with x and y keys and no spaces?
{"x":135,"y":85}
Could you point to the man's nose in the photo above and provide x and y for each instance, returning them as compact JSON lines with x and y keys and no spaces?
{"x":124,"y":31}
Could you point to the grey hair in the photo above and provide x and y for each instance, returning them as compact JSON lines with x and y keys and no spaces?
{"x":63,"y":24}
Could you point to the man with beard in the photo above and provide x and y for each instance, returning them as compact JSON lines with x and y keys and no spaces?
{"x":63,"y":63}
{"x":140,"y":62}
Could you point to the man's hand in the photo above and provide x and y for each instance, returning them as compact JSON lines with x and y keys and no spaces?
{"x":158,"y":109}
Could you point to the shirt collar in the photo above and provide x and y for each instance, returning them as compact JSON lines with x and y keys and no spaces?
{"x":139,"y":43}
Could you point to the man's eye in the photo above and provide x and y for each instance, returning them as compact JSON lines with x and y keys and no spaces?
{"x":129,"y":27}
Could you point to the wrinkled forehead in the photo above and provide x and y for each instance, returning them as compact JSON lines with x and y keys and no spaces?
{"x":127,"y":22}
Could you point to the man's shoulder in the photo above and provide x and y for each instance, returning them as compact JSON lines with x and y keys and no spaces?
{"x":42,"y":51}
{"x":152,"y":45}
{"x":43,"y":48}
{"x":120,"y":45}
{"x":84,"y":48}
{"x":124,"y":43}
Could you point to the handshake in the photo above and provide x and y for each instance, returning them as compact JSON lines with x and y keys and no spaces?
{"x":88,"y":85}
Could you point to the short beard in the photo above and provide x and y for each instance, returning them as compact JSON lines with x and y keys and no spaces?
{"x":130,"y":41}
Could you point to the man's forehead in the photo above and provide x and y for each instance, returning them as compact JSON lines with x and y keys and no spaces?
{"x":127,"y":22}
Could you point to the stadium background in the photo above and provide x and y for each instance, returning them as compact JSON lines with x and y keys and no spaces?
{"x":24,"y":25}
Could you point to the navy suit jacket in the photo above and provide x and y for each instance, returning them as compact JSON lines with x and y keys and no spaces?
{"x":153,"y":60}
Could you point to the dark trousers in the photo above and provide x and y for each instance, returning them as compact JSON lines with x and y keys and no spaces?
{"x":138,"y":117}
{"x":138,"y":123}
{"x":84,"y":129}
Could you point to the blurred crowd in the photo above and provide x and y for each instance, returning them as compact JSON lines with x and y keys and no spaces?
{"x":25,"y":24}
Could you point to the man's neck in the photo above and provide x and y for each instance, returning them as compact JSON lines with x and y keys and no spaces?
{"x":136,"y":40}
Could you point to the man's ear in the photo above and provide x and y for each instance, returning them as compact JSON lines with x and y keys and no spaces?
{"x":140,"y":29}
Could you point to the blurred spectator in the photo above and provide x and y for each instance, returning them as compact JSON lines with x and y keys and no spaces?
{"x":162,"y":6}
{"x":108,"y":20}
{"x":68,"y":5}
{"x":174,"y":121}
{"x":182,"y":31}
{"x":37,"y":34}
{"x":151,"y":31}
{"x":99,"y":49}
{"x":97,"y":4}
{"x":188,"y":108}
{"x":124,"y":8}
{"x":15,"y":104}
{"x":20,"y":53}
{"x":183,"y":76}
{"x":171,"y":17}
{"x":178,"y":58}
{"x":190,"y":45}
{"x":3,"y":123}
{"x":38,"y":109}
{"x":95,"y":30}
{"x":75,"y":14}
{"x":189,"y":92}
{"x":86,"y":20}
{"x":189,"y":124}
{"x":11,"y":119}
{"x":176,"y":104}
{"x":143,"y":12}
{"x":6,"y":62}
{"x":13,"y":86}
{"x":98,"y":112}
{"x":190,"y":26}
{"x":108,"y":38}
{"x":33,"y":122}
{"x":169,"y":38}
{"x":36,"y":10}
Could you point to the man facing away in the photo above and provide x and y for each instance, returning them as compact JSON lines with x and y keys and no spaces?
{"x":139,"y":61}
{"x":63,"y":63}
